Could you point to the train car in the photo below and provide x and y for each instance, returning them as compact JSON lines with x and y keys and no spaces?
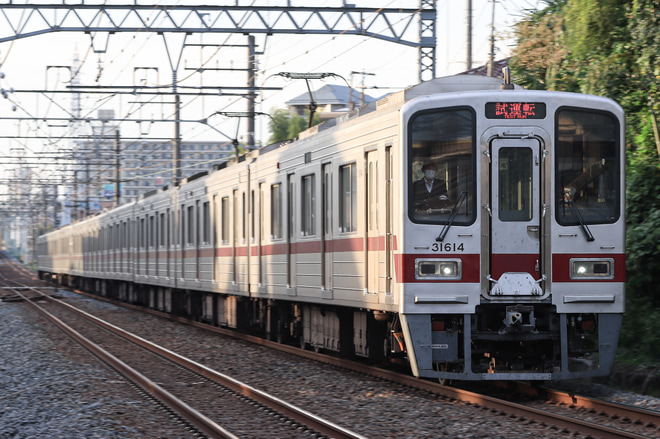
{"x":467,"y":225}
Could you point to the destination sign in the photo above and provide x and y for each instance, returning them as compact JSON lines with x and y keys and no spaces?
{"x":515,"y":110}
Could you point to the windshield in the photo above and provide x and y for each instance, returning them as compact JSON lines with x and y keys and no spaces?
{"x":441,"y":166}
{"x":587,"y":168}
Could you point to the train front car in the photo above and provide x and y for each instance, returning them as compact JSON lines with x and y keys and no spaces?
{"x":513,"y":249}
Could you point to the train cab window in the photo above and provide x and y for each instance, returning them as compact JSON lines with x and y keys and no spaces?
{"x":441,"y":161}
{"x":587,"y":167}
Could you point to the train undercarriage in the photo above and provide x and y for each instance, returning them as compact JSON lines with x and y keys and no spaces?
{"x":499,"y":341}
{"x":348,"y":331}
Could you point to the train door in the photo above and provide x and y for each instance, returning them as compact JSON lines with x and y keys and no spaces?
{"x":215,"y":220}
{"x":262,"y":235}
{"x":372,"y":247}
{"x":254,"y":254}
{"x":516,"y":217}
{"x":326,"y":236}
{"x":291,"y":213}
{"x":235,"y":241}
{"x":385,"y":295}
{"x":168,"y":244}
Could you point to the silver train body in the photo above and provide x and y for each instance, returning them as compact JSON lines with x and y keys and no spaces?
{"x":514,"y":268}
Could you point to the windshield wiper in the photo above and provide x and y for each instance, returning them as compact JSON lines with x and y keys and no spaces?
{"x":461,"y":199}
{"x":576,"y":211}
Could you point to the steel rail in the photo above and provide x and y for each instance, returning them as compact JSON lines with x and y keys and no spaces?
{"x":297,"y":414}
{"x":198,"y":420}
{"x":477,"y":400}
{"x":634,"y":414}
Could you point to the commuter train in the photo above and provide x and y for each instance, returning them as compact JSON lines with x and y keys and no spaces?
{"x":466,"y":225}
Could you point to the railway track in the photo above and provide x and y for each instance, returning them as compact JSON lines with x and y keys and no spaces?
{"x":570,"y":414}
{"x":198,"y":394}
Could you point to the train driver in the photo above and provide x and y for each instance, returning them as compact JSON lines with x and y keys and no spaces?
{"x":430,"y":193}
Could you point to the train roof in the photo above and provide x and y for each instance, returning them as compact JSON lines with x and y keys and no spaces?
{"x":446,"y":84}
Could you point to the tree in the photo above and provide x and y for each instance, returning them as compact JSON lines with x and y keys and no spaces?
{"x":285,"y":126}
{"x":612,"y":48}
{"x":540,"y":50}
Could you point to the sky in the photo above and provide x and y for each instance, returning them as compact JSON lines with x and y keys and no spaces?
{"x":41,"y":63}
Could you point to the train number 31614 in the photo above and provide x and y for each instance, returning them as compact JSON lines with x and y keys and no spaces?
{"x":447,"y":247}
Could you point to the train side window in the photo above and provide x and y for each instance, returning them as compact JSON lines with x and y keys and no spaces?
{"x":206,"y":220}
{"x":224,"y":231}
{"x":308,"y":206}
{"x":253,"y":214}
{"x":190,"y":223}
{"x":143,"y":235}
{"x":347,"y":198}
{"x":180,"y":232}
{"x":162,"y":229}
{"x":152,"y":231}
{"x":276,"y":211}
{"x":244,"y":218}
{"x":441,"y":166}
{"x":588,"y":161}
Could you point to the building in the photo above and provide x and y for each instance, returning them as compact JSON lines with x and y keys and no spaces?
{"x":331,"y":101}
{"x":143,"y":166}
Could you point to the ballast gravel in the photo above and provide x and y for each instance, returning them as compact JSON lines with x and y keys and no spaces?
{"x":44,"y":394}
{"x":49,"y":390}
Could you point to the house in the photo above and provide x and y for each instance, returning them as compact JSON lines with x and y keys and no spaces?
{"x":331,"y":101}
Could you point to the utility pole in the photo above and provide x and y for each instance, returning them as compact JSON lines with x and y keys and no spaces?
{"x":251,"y":95}
{"x":175,"y":61}
{"x":469,"y":35}
{"x":350,"y":99}
{"x":491,"y":56}
{"x":117,"y":170}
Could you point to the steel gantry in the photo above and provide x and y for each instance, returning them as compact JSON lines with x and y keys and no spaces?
{"x":412,"y":27}
{"x":100,"y":20}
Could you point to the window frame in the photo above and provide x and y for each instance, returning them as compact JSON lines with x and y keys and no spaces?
{"x":308,"y":205}
{"x":347,"y":198}
{"x":616,"y":170}
{"x":469,"y":205}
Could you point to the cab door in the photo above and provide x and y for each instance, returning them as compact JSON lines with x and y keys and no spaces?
{"x":515,"y":248}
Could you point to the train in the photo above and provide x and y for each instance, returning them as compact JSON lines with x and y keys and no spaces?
{"x":465,"y":225}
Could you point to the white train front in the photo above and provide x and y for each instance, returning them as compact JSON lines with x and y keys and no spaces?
{"x":476,"y":231}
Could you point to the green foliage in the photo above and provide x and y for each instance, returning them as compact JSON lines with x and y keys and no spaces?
{"x":592,"y":26}
{"x":279,"y":125}
{"x":539,"y":50}
{"x":297,"y":124}
{"x":640,"y":334}
{"x":612,"y":48}
{"x":285,"y":126}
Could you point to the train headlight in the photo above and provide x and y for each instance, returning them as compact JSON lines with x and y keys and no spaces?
{"x":587,"y":268}
{"x":445,"y":269}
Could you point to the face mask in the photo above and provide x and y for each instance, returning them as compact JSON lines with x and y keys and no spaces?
{"x":429,"y":175}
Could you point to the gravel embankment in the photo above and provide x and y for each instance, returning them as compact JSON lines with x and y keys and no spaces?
{"x":51,"y":388}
